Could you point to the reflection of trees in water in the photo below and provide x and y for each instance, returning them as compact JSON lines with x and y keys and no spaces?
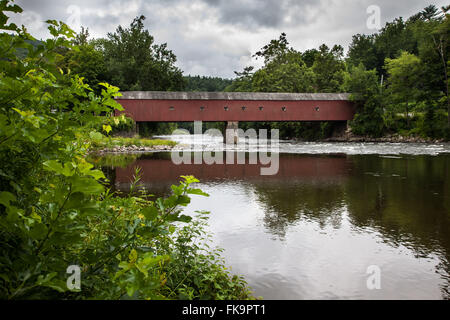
{"x":407,"y":200}
{"x":285,"y":203}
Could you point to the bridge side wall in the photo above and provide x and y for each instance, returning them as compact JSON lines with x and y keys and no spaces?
{"x":142,"y":110}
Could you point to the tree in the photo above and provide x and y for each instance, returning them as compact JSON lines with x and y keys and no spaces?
{"x":208,"y":84}
{"x":89,"y":63}
{"x":440,"y":36}
{"x":432,"y":29}
{"x":362,"y":50}
{"x":135,"y":62}
{"x":404,"y":79}
{"x":329,"y":69}
{"x":309,"y":56}
{"x":394,"y":37}
{"x":82,"y":37}
{"x":274,"y":49}
{"x":365,"y":92}
{"x":285,"y":73}
{"x":242,"y":82}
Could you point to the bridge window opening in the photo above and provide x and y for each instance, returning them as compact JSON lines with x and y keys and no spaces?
{"x":202,"y":108}
{"x":243,"y":108}
{"x":283,"y":108}
{"x":316,"y":108}
{"x":261,"y":108}
{"x":171,"y":108}
{"x":225,"y":108}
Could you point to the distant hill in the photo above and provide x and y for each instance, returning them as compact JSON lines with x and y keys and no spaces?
{"x":209,"y":84}
{"x":22,"y":52}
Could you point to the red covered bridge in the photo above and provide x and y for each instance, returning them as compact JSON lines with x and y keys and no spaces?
{"x":159,"y":106}
{"x":232,"y":107}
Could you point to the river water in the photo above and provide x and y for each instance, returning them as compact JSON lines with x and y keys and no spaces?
{"x":338,"y":220}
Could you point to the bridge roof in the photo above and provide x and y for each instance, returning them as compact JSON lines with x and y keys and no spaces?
{"x":167,"y":95}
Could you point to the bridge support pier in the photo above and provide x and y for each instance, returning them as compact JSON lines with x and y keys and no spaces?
{"x":231,"y":132}
{"x":339,"y":129}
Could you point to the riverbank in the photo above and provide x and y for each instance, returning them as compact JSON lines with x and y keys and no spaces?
{"x":392,"y":138}
{"x":133,"y":148}
{"x":129,"y":145}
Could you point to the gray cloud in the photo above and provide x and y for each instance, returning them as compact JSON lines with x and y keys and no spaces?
{"x":217,"y":37}
{"x":250,"y":13}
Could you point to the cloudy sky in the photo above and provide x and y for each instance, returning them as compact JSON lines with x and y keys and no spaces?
{"x":217,"y":37}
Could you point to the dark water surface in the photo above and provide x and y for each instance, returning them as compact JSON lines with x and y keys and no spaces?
{"x":312,"y":230}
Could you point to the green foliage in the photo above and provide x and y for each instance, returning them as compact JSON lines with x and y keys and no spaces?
{"x":285,"y":73}
{"x":103,"y":142}
{"x":54,"y":208}
{"x":274,"y":49}
{"x":199,"y":272}
{"x":89,"y":63}
{"x":148,"y":129}
{"x":116,"y":124}
{"x":135,"y":62}
{"x":362,"y":50}
{"x":112,"y":160}
{"x":416,"y":52}
{"x":242,"y":82}
{"x":329,"y":69}
{"x":205,"y":84}
{"x":365,"y":91}
{"x":309,"y":56}
{"x":404,"y":79}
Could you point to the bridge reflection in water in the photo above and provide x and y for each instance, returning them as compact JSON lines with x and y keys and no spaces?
{"x":159,"y":172}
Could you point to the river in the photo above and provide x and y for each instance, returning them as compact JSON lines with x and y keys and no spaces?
{"x":332,"y":213}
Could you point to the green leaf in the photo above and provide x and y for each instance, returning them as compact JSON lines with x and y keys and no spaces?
{"x":38,"y":231}
{"x":183,"y":200}
{"x":57,"y":285}
{"x":150,"y":213}
{"x":133,"y":256}
{"x":6,"y":198}
{"x":107,"y":128}
{"x":42,"y":280}
{"x":50,"y":281}
{"x":86,"y":185}
{"x":190,"y":179}
{"x":177,"y":190}
{"x":97,"y":174}
{"x":96,"y":136}
{"x":184,"y":218}
{"x":67,"y":170}
{"x":197,"y":192}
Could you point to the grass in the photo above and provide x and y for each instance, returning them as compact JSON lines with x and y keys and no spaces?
{"x":111,"y":142}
